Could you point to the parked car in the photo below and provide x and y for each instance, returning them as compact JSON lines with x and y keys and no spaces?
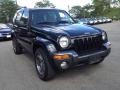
{"x":90,"y":21}
{"x":100,"y":21}
{"x":95,"y":21}
{"x":56,"y":41}
{"x":108,"y":20}
{"x":5,"y":32}
{"x":105,"y":19}
{"x":10,"y":25}
{"x":83,"y":21}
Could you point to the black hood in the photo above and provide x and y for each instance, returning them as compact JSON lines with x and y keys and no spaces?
{"x":71,"y":30}
{"x":78,"y":29}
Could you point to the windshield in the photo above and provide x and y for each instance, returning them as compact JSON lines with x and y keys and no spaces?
{"x":50,"y":17}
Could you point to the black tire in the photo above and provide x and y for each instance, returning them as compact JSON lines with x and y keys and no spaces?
{"x":42,"y":65}
{"x":97,"y":61}
{"x":16,"y":47}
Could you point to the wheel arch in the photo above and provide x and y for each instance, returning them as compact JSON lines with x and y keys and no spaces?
{"x":37,"y":45}
{"x":41,"y":43}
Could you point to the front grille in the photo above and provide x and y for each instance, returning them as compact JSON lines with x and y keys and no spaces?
{"x":5,"y":34}
{"x":88,"y":43}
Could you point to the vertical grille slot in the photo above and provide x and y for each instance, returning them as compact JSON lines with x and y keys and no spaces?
{"x":88,"y":43}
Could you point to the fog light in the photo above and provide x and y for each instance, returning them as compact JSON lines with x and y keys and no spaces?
{"x":107,"y":45}
{"x":64,"y":65}
{"x":61,"y":57}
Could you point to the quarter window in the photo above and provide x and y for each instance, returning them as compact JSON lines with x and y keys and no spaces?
{"x":24,"y":17}
{"x":19,"y":15}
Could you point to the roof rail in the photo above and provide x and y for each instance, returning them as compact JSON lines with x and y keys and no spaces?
{"x":22,"y":7}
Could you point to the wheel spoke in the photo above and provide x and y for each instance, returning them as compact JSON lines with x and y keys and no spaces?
{"x":40,"y":64}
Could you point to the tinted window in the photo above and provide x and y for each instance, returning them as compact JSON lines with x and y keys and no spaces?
{"x":25,"y":16}
{"x":44,"y":16}
{"x":14,"y":17}
{"x":19,"y":15}
{"x":65,"y":17}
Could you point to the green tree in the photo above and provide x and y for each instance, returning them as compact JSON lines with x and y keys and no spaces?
{"x":99,"y":7}
{"x":114,"y":13}
{"x":103,"y":7}
{"x":109,"y":8}
{"x":87,"y":10}
{"x":81,"y":12}
{"x":115,"y":3}
{"x":44,"y":3}
{"x":77,"y":11}
{"x":7,"y":10}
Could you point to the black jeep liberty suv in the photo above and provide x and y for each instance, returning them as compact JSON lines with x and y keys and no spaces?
{"x":56,"y":41}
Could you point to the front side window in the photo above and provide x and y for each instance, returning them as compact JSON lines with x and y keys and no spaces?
{"x":65,"y":18}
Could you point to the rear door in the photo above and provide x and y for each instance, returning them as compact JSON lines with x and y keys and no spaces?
{"x":23,"y":31}
{"x":16,"y":19}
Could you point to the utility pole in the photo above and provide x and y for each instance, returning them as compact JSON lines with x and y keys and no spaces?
{"x":84,"y":13}
{"x":68,"y":9}
{"x":16,"y":2}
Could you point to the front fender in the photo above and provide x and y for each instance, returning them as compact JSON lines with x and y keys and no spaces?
{"x":42,"y":43}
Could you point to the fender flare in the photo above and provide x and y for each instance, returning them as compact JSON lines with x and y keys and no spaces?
{"x":43,"y":43}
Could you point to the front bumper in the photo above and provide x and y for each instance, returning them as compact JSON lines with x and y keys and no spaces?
{"x":85,"y":57}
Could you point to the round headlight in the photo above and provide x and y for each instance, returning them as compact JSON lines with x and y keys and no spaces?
{"x":104,"y":36}
{"x":64,"y":41}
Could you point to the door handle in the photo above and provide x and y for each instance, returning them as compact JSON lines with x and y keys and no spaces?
{"x":30,"y":34}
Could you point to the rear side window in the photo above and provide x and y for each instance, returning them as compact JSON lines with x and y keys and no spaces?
{"x":25,"y":17}
{"x":14,"y":17}
{"x":17,"y":16}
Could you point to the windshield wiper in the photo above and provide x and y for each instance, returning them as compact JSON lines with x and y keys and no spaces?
{"x":45,"y":23}
{"x":64,"y":22}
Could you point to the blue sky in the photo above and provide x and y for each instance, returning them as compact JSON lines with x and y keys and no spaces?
{"x":61,"y":4}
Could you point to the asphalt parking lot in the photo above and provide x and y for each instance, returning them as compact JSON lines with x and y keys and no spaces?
{"x":17,"y":72}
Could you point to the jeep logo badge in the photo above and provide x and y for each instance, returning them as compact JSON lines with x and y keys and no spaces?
{"x":87,"y":33}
